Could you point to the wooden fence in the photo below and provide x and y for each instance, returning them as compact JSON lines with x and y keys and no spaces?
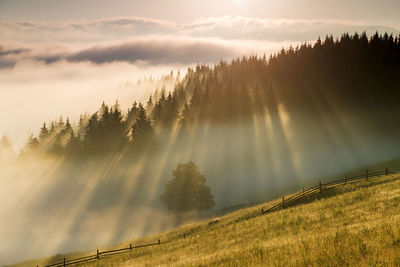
{"x":320,"y":187}
{"x":285,"y":202}
{"x":101,"y":254}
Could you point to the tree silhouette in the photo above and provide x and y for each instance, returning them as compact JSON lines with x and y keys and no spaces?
{"x":32,"y":145}
{"x":142,"y":132}
{"x":73,"y":145}
{"x":44,"y":133}
{"x":91,"y":135}
{"x":187,"y":191}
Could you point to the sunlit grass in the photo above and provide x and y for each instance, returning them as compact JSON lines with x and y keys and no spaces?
{"x":349,"y":226}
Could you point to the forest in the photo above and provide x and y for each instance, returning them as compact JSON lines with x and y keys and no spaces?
{"x":353,"y":75}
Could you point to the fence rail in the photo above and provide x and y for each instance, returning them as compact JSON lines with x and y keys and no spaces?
{"x":320,"y":187}
{"x":100,"y":254}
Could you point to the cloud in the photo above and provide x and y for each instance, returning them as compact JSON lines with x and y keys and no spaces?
{"x":7,"y":63}
{"x":129,"y":23}
{"x":5,"y":52}
{"x":120,"y":22}
{"x":157,"y":51}
{"x":9,"y":56}
{"x":145,"y":40}
{"x":230,"y":27}
{"x":83,"y":31}
{"x":151,"y":50}
{"x":227,"y":27}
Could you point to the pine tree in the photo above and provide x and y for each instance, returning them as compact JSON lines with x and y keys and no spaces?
{"x":142,"y":132}
{"x":118,"y":138}
{"x":73,"y":145}
{"x":57,"y":147}
{"x":44,"y":133}
{"x":150,"y":105}
{"x":32,"y":145}
{"x":67,"y":126}
{"x":60,"y":124}
{"x":170,"y":112}
{"x":92,"y":133}
{"x":52,"y":130}
{"x":157,"y":112}
{"x":131,"y":115}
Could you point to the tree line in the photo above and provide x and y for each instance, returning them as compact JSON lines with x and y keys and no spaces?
{"x":356,"y":72}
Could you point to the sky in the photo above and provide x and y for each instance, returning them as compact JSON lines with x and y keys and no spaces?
{"x":64,"y":57}
{"x":368,"y":11}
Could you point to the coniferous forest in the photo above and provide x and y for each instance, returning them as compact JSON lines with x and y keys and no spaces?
{"x":354,"y":75}
{"x":254,"y":126}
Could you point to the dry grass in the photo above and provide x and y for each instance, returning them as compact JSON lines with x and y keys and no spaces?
{"x":358,"y":226}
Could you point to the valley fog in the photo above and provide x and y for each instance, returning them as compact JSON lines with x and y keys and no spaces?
{"x":51,"y":205}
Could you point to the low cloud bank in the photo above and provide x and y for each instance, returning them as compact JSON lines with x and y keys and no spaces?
{"x":276,"y":30}
{"x":154,"y":51}
{"x":135,"y":39}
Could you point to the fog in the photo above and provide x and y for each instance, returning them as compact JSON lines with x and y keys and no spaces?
{"x":32,"y":93}
{"x":50,"y":205}
{"x":46,"y":81}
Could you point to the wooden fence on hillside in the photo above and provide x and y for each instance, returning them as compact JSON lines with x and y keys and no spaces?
{"x":285,"y":203}
{"x":320,"y":187}
{"x":101,"y":254}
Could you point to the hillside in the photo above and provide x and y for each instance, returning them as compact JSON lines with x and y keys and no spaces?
{"x":352,"y":225}
{"x":257,"y":127}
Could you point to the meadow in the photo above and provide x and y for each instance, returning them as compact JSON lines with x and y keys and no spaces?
{"x":357,"y":224}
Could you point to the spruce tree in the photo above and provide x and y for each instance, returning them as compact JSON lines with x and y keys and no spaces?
{"x":44,"y":133}
{"x":142,"y":132}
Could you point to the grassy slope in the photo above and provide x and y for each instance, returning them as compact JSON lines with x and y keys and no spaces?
{"x":351,"y":225}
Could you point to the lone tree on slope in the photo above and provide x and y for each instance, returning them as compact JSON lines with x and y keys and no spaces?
{"x":187,"y":191}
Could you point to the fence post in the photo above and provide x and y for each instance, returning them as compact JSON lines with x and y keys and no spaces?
{"x":97,"y":254}
{"x":283,"y":201}
{"x":130,"y":246}
{"x":320,"y":186}
{"x":386,"y":171}
{"x":159,"y":241}
{"x":64,"y":261}
{"x":366,"y":175}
